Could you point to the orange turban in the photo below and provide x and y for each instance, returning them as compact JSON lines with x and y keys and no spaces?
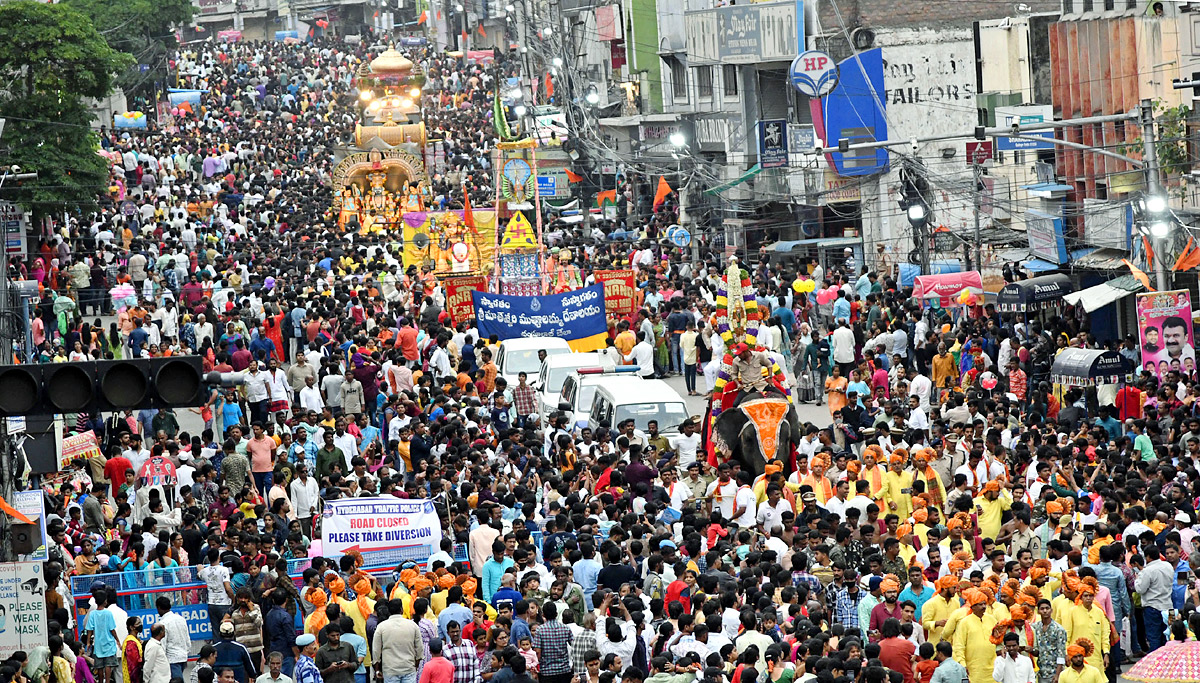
{"x":318,"y":619}
{"x":317,"y":597}
{"x":974,"y":596}
{"x":876,"y":451}
{"x":357,"y":556}
{"x":469,"y":586}
{"x":920,"y":515}
{"x":1020,"y":613}
{"x":1053,"y":507}
{"x":947,"y":582}
{"x":904,"y":530}
{"x":1081,"y":646}
{"x":446,"y":581}
{"x":966,"y":522}
{"x":822,"y":459}
{"x":407,"y":576}
{"x":335,"y":584}
{"x":853,"y":467}
{"x":1088,"y":585}
{"x":772,"y":468}
{"x":920,"y":501}
{"x":992,"y":486}
{"x":362,"y":588}
{"x":461,"y":579}
{"x":420,"y":584}
{"x":889,"y":585}
{"x":1039,"y":569}
{"x":954,"y":523}
{"x":1007,"y":591}
{"x":999,"y":630}
{"x":989,"y":591}
{"x":956,"y":566}
{"x":914,"y":562}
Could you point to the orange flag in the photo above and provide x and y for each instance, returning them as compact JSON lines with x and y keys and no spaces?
{"x":464,"y":38}
{"x":468,"y":215}
{"x":439,"y":15}
{"x":1138,"y":274}
{"x":660,"y":195}
{"x":1192,"y":260}
{"x":573,"y":176}
{"x":482,"y":32}
{"x":423,"y":18}
{"x":609,"y":196}
{"x":14,"y":513}
{"x":1183,"y":255}
{"x":549,"y":86}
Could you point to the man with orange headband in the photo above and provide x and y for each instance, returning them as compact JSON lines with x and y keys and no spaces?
{"x":888,"y":609}
{"x":990,"y":507}
{"x":898,"y":485}
{"x":1080,"y":671}
{"x":937,"y":609}
{"x":973,"y":647}
{"x":1085,"y":620}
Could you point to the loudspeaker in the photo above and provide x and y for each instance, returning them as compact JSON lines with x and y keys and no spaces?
{"x":26,"y":538}
{"x":41,"y":444}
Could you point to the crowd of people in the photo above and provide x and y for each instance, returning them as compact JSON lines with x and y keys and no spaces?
{"x":955,"y":517}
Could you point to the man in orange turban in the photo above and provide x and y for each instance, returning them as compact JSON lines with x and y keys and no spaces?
{"x":935,"y":488}
{"x":318,"y":619}
{"x":937,"y":609}
{"x":972,"y":638}
{"x":1079,"y":669}
{"x":898,"y":485}
{"x":991,"y":505}
{"x":1085,"y":620}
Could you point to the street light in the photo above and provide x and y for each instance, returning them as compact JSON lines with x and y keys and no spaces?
{"x":918,"y":213}
{"x":558,"y":61}
{"x":509,"y":8}
{"x":592,"y":97}
{"x":678,"y":139}
{"x":1156,"y":204}
{"x":519,"y":110}
{"x":1160,"y":229}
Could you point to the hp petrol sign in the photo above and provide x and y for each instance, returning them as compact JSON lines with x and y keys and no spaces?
{"x":813,"y":73}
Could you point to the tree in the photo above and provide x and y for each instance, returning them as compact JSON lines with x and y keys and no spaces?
{"x":142,"y":28}
{"x":53,"y":59}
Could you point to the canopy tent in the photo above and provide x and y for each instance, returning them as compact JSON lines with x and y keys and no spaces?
{"x":1033,"y":294}
{"x":1089,"y":367}
{"x":1105,"y":293}
{"x":909,"y":271}
{"x":948,"y":286}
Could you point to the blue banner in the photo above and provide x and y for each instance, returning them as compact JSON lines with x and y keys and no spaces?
{"x":572,"y":316}
{"x":196,"y":616}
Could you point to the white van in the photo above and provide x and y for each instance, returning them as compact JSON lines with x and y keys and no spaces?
{"x":555,"y":370}
{"x":618,"y":399}
{"x":521,"y":355}
{"x":579,"y":390}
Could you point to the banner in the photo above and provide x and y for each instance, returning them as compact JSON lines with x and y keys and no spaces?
{"x":81,"y":446}
{"x":378,"y":524}
{"x":22,"y":607}
{"x":196,"y":616}
{"x":442,"y":240}
{"x":1165,"y":321}
{"x":576,"y":316}
{"x":459,"y":303}
{"x":620,"y":291}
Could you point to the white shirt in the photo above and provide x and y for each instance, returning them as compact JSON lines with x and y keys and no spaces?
{"x":349,"y":446}
{"x":917,"y":419}
{"x":256,"y":386}
{"x":836,"y":506}
{"x":921,"y":387}
{"x":310,"y":398}
{"x":842,"y":340}
{"x":439,"y":363}
{"x":178,"y":640}
{"x":686,"y":447}
{"x":745,"y":498}
{"x":156,"y":668}
{"x":304,"y":495}
{"x":1009,"y":670}
{"x":679,"y":494}
{"x":722,"y":496}
{"x":642,"y":355}
{"x":768,"y":516}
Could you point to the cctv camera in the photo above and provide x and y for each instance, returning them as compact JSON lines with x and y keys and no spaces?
{"x":15,"y":168}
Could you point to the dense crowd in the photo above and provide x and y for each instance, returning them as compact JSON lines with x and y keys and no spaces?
{"x":937,"y":527}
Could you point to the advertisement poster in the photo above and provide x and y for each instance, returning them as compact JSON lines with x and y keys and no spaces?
{"x":1164,"y":319}
{"x":577,"y":317}
{"x":82,"y":446}
{"x":620,"y":291}
{"x":196,"y":616}
{"x":459,"y":303}
{"x":22,"y":607}
{"x":32,"y":504}
{"x":372,"y":525}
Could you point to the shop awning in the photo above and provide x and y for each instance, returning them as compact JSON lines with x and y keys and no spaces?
{"x":1033,"y":294}
{"x":909,"y":271}
{"x":785,"y":246}
{"x":1103,"y":258}
{"x":1089,"y":367}
{"x":1103,"y":294}
{"x":947,"y":287}
{"x":1036,"y":265}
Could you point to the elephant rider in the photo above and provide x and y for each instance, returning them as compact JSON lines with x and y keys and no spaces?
{"x":748,"y":365}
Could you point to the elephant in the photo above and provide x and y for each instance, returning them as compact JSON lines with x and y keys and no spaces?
{"x":746,"y":432}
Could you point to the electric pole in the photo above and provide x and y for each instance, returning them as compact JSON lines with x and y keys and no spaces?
{"x":975,"y":173}
{"x":1153,"y":184}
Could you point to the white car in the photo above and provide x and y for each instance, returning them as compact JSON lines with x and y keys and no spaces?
{"x":521,"y":355}
{"x":619,"y":399}
{"x":579,"y":389}
{"x":554,"y":372}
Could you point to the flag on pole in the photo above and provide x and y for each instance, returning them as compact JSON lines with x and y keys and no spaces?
{"x":468,"y":215}
{"x":423,"y":18}
{"x":482,"y":32}
{"x":1138,"y":274}
{"x":549,"y":86}
{"x":1183,"y":255}
{"x":660,"y":195}
{"x":573,"y":176}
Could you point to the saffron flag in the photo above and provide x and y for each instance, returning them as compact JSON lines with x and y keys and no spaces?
{"x":606,"y":196}
{"x":572,"y":176}
{"x":1183,"y":255}
{"x":660,"y":195}
{"x":482,"y":32}
{"x":549,"y":86}
{"x":1138,"y":274}
{"x":423,"y":18}
{"x":468,"y":215}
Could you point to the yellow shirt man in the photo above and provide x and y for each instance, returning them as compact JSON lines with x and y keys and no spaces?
{"x":991,"y":510}
{"x":973,"y":647}
{"x":1093,"y":624}
{"x":937,"y":609}
{"x":1088,"y":674}
{"x":897,"y":490}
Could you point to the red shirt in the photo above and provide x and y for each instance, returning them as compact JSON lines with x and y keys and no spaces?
{"x":439,"y":670}
{"x":407,"y":341}
{"x":114,"y":471}
{"x":1129,"y":403}
{"x":896,"y":654}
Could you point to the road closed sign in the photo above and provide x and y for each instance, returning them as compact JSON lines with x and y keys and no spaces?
{"x":813,"y":73}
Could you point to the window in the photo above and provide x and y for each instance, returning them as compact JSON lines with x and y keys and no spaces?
{"x":1087,"y":5}
{"x":1068,"y":6}
{"x":729,"y":76}
{"x":678,"y":79}
{"x":1109,"y":5}
{"x":704,"y":85}
{"x":1131,"y":4}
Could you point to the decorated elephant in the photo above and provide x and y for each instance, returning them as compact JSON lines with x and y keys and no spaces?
{"x":756,"y":431}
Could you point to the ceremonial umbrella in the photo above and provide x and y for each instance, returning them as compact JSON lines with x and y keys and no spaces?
{"x":1175,"y":661}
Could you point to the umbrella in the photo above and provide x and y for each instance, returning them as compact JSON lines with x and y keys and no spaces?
{"x":1175,"y":661}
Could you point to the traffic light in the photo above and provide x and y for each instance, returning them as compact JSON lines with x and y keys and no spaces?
{"x":111,"y":385}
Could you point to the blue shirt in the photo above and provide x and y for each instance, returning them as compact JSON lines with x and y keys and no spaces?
{"x":493,"y":571}
{"x":307,"y":671}
{"x":281,"y":630}
{"x":520,"y":629}
{"x":786,"y":318}
{"x":918,"y":599}
{"x":102,"y":624}
{"x":360,"y":648}
{"x":586,"y":573}
{"x":841,"y":309}
{"x":457,"y":613}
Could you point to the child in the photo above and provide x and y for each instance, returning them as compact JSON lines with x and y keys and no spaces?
{"x":525,"y":647}
{"x":925,"y":666}
{"x":501,"y":417}
{"x":716,"y":528}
